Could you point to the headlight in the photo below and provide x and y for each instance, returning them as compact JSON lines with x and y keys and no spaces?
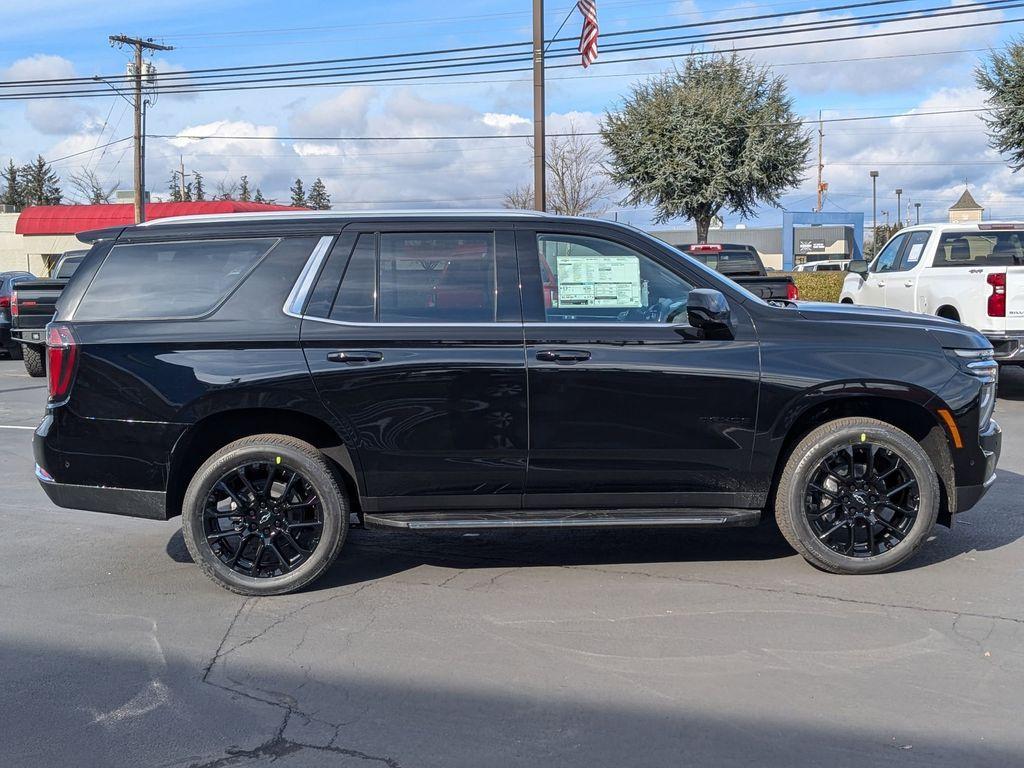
{"x":979,"y":363}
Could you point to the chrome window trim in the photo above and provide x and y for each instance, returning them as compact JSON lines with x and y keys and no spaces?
{"x":299,"y":294}
{"x":296,"y":300}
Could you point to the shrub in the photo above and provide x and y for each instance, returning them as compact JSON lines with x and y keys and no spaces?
{"x":819,"y":286}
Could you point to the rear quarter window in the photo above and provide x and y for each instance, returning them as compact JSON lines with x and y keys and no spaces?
{"x":169,"y":280}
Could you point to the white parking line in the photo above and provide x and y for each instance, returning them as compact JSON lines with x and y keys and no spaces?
{"x":6,"y":426}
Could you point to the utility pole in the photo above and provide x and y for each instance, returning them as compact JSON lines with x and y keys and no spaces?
{"x":899,"y":210}
{"x":917,"y":208}
{"x":874,"y":210}
{"x":821,"y":166}
{"x":181,"y":176}
{"x":139,"y":45}
{"x":539,"y":184}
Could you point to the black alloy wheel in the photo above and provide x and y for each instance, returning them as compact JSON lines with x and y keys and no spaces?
{"x":857,"y":495}
{"x":862,"y":499}
{"x":263,"y":519}
{"x":265,"y":515}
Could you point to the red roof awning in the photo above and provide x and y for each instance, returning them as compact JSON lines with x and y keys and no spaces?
{"x":72,"y":219}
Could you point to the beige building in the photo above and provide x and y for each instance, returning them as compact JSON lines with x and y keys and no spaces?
{"x":34,"y":253}
{"x":965,"y":210}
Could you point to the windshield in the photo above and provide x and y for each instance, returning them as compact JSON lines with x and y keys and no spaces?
{"x":713,"y":277}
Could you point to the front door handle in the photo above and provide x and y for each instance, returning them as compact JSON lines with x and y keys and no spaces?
{"x":881,"y":283}
{"x":359,"y":356}
{"x":909,"y":284}
{"x":563,"y":355}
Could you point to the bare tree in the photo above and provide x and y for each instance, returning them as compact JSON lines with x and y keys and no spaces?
{"x":88,"y":185}
{"x":226,"y":190}
{"x":577,"y":184}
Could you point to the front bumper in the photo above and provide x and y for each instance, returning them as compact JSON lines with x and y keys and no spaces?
{"x":991,"y":441}
{"x":1007,"y":348}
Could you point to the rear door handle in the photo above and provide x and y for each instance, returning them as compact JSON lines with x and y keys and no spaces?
{"x":359,"y":356}
{"x":563,"y":355}
{"x":909,"y":284}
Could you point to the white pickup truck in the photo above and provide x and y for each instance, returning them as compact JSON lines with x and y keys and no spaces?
{"x":972,"y":273}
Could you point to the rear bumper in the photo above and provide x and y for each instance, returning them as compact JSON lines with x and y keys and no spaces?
{"x":117,"y":501}
{"x":991,"y":444}
{"x":1007,"y":348}
{"x":29,"y":335}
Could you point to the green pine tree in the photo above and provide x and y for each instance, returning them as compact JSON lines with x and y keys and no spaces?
{"x":258,"y":197}
{"x":12,"y":194}
{"x":39,"y":184}
{"x":319,"y":200}
{"x":298,"y":194}
{"x":174,"y":188}
{"x":244,"y":195}
{"x":198,"y":191}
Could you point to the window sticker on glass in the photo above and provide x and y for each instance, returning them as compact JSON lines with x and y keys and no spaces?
{"x":915,"y":253}
{"x":603,"y":281}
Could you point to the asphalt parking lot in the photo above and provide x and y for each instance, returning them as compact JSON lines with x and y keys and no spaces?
{"x":590,"y":649}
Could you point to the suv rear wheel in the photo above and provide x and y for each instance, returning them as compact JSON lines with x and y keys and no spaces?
{"x":857,"y":495}
{"x":265,"y":515}
{"x":35,"y":360}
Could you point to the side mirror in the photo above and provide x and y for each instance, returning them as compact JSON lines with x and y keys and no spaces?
{"x":708,"y":310}
{"x":858,"y":267}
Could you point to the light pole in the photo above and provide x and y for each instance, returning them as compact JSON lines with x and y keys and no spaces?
{"x":874,"y":210}
{"x":899,"y":210}
{"x":917,"y":208}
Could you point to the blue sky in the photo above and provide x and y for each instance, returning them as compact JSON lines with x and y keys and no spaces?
{"x":929,"y":157}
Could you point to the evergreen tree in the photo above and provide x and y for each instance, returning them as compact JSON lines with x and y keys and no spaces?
{"x":258,"y":197}
{"x":12,"y":194}
{"x":244,"y":194}
{"x":298,"y":194}
{"x":174,"y":187}
{"x":319,"y":200}
{"x":39,"y":184}
{"x":198,"y":192}
{"x":719,"y":133}
{"x":1000,"y":80}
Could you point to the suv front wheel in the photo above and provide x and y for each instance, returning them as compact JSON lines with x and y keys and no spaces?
{"x":265,"y":515}
{"x":857,"y":495}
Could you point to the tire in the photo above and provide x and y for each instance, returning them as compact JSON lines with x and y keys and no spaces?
{"x":803,"y":513}
{"x":15,"y":351}
{"x":35,"y":361}
{"x":280,"y":454}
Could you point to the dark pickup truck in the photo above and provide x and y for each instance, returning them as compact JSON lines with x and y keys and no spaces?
{"x":742,"y":264}
{"x":33,"y":303}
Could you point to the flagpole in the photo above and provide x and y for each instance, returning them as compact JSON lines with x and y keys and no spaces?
{"x":539,"y":183}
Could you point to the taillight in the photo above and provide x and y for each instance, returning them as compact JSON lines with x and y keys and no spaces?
{"x":792,"y":292}
{"x":61,"y":359}
{"x":5,"y":302}
{"x":14,"y":304}
{"x":997,"y":301}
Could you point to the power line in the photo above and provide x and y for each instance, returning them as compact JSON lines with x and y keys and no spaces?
{"x":190,"y":74}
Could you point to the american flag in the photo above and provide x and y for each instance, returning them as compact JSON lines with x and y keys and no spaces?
{"x":588,"y":37}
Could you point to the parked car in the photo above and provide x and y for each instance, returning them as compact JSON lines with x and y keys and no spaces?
{"x":743,"y":264}
{"x":971,"y":273}
{"x":830,"y":265}
{"x":270,"y":376}
{"x":7,"y":282}
{"x":32,"y":307}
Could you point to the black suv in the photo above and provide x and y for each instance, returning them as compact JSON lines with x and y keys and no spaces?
{"x":272,"y":377}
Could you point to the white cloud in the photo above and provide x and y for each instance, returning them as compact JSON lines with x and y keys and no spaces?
{"x":53,"y":117}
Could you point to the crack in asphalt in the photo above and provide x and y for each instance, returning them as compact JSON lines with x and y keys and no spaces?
{"x":278,"y":745}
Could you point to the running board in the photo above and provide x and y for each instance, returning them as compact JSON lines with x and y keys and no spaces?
{"x":576,"y":518}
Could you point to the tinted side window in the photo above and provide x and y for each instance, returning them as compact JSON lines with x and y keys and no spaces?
{"x":436,"y":277}
{"x":588,"y":279}
{"x":886,"y":260}
{"x":355,"y":301}
{"x":165,"y":280}
{"x":68,"y":267}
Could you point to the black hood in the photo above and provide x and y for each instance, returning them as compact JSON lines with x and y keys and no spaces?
{"x":948,"y":333}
